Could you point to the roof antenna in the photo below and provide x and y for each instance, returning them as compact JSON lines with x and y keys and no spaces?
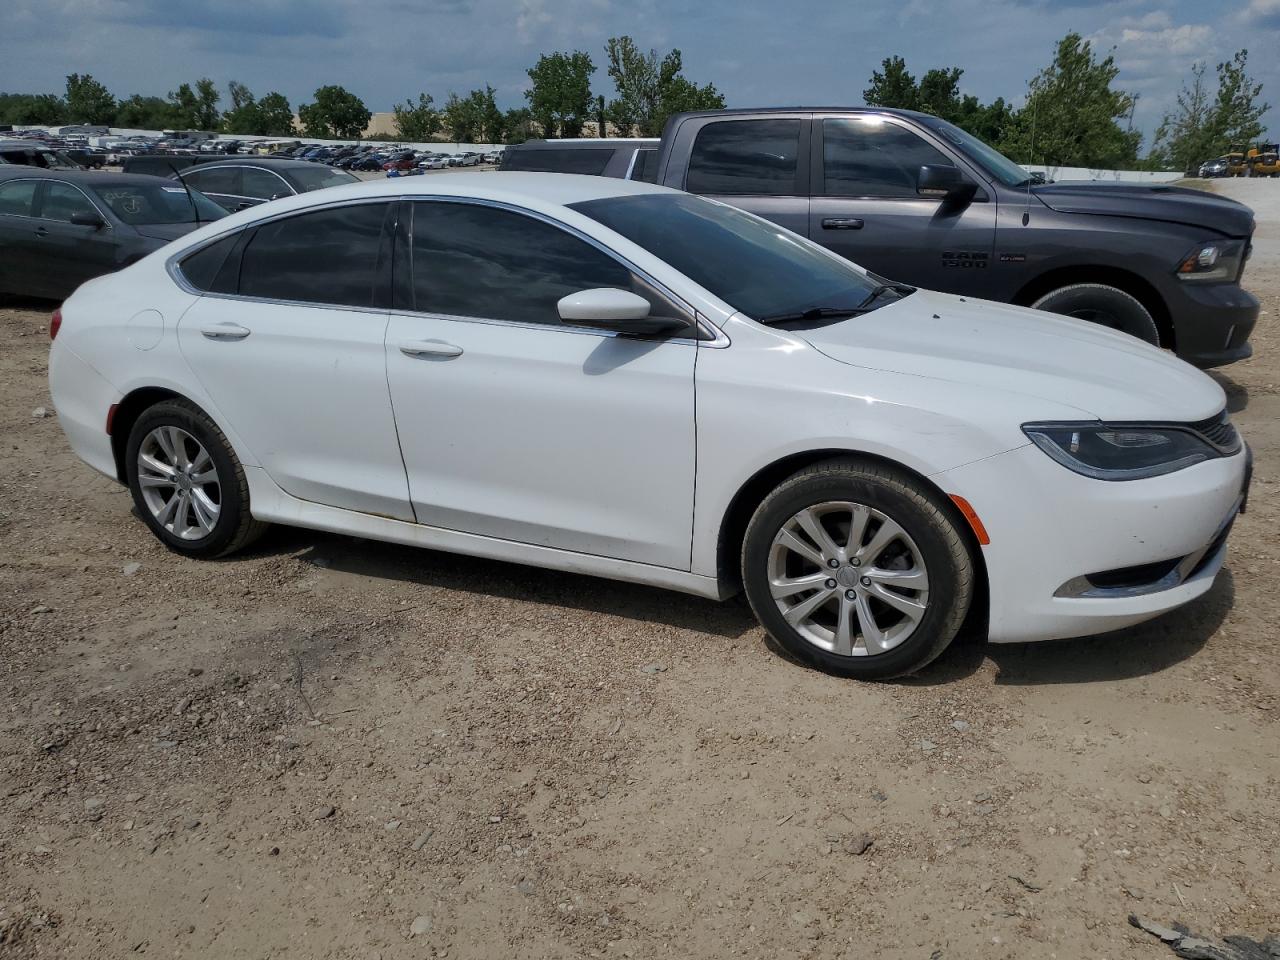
{"x":195,"y":209}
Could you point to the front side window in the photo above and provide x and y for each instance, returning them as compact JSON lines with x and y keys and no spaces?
{"x":63,"y":201}
{"x":327,"y":256}
{"x":17,"y":198}
{"x":753,"y":265}
{"x":746,"y":158}
{"x":471,"y":260}
{"x":870,"y":156}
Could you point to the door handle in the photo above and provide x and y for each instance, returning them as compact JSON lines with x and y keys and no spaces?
{"x":225,"y":331}
{"x":841,"y":223}
{"x":430,"y":348}
{"x":41,"y":232}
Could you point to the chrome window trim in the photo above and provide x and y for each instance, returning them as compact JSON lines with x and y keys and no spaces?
{"x":719,"y":339}
{"x":631,"y":164}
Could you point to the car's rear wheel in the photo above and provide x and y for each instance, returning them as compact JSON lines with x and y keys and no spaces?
{"x":1107,"y":305}
{"x":858,"y":569}
{"x":187,"y":483}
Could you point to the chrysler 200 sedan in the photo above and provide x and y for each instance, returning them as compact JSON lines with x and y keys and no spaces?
{"x":613,"y":378}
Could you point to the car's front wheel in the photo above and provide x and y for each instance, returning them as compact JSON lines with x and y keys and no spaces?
{"x":1103,"y":304}
{"x":858,"y":569}
{"x":187,"y":483}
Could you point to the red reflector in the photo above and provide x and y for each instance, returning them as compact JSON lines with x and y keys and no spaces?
{"x":111,"y":417}
{"x":971,"y":515}
{"x":55,"y":323}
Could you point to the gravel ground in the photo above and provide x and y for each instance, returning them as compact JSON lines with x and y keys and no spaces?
{"x":330,"y":748}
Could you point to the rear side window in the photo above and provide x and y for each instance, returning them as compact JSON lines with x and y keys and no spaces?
{"x":646,"y":166}
{"x":202,"y":267}
{"x":262,"y":184}
{"x":746,"y":158}
{"x":328,"y":256}
{"x":215,"y":180}
{"x":872,"y":157}
{"x":477,"y":261}
{"x":18,"y":197}
{"x":589,"y":160}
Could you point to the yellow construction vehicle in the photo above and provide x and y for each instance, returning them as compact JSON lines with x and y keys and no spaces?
{"x":1264,"y":160}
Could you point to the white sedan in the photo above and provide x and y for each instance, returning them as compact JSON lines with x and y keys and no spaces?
{"x":613,"y":378}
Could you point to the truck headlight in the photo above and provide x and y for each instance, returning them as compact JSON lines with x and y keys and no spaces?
{"x":1127,"y":452}
{"x":1212,"y":262}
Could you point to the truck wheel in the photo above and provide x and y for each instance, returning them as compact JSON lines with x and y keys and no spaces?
{"x":1099,"y":303}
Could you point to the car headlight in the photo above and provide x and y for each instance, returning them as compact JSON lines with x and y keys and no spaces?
{"x":1213,"y":262}
{"x":1119,"y":452}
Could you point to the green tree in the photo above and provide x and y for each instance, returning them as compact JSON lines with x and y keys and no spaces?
{"x":650,"y":89}
{"x":939,"y":93}
{"x":32,"y":108}
{"x":493,"y":122}
{"x":195,"y":109}
{"x":517,"y":125}
{"x":1184,"y":138}
{"x":418,"y":121}
{"x":894,"y":87}
{"x":1071,"y":117}
{"x":276,"y":115}
{"x":244,"y":115}
{"x":560,"y":92}
{"x":145,"y":113}
{"x":460,"y":118}
{"x":1237,"y":111}
{"x":88,"y":101}
{"x":336,"y":113}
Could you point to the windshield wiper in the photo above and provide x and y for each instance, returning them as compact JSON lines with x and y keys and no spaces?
{"x":812,"y":313}
{"x":880,"y":290}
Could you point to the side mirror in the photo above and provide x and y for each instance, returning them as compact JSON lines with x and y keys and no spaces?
{"x":942,"y":181}
{"x":88,"y":220}
{"x":608,"y":308}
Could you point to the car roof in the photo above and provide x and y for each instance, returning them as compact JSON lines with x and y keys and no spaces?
{"x":91,"y":178}
{"x":738,"y":111}
{"x":251,"y":160}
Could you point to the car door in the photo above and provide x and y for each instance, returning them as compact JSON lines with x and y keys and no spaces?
{"x":759,"y":165}
{"x":219,"y":184}
{"x":865,"y":206}
{"x":18,"y":273}
{"x":517,"y":426}
{"x":65,"y":253}
{"x":288,"y":341}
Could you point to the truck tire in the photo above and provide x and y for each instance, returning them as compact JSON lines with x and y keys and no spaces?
{"x":1100,"y":303}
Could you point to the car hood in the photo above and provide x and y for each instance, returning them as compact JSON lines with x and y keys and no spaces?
{"x":165,"y":231}
{"x":1101,"y":373}
{"x":1154,"y":201}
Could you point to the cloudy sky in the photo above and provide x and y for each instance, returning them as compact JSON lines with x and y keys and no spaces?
{"x":801,"y":51}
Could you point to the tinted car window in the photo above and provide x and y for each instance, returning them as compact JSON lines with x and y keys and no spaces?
{"x":589,"y":160}
{"x":477,"y":261}
{"x":158,"y":202}
{"x":215,"y":180}
{"x":646,"y":166}
{"x":745,"y":157}
{"x":871,"y":157}
{"x":329,"y":256}
{"x":63,"y":201}
{"x":262,"y":184}
{"x":201,"y":268}
{"x":749,"y":263}
{"x":16,"y":197}
{"x":319,"y":177}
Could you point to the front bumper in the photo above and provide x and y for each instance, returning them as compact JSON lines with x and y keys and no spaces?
{"x":1212,"y":322}
{"x":1050,"y":527}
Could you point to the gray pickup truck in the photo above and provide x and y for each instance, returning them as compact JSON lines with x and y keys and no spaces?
{"x":916,"y":199}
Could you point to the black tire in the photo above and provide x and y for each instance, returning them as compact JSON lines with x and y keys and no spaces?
{"x":929,"y":520}
{"x":1099,"y":303}
{"x":235,"y":527}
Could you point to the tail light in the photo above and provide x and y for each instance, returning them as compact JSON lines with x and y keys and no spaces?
{"x":55,"y":324}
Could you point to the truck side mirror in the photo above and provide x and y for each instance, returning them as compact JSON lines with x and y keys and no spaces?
{"x":941,"y":181}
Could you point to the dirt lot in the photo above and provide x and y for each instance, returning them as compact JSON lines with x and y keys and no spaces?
{"x":338,"y":749}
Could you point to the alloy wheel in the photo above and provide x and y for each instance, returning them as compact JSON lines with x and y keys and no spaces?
{"x":848,"y":578}
{"x":179,"y":482}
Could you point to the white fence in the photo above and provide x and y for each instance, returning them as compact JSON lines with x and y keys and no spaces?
{"x":1085,"y":173}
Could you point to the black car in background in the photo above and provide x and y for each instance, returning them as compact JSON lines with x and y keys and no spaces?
{"x":243,"y":182}
{"x":59,"y":228}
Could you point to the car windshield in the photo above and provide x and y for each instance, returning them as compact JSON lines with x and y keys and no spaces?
{"x":137,"y":204}
{"x":318,"y":178}
{"x":753,"y":265}
{"x":991,"y":159}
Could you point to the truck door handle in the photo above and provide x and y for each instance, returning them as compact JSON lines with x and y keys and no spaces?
{"x":841,"y":223}
{"x":430,"y":348}
{"x":225,"y":331}
{"x":41,"y":232}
